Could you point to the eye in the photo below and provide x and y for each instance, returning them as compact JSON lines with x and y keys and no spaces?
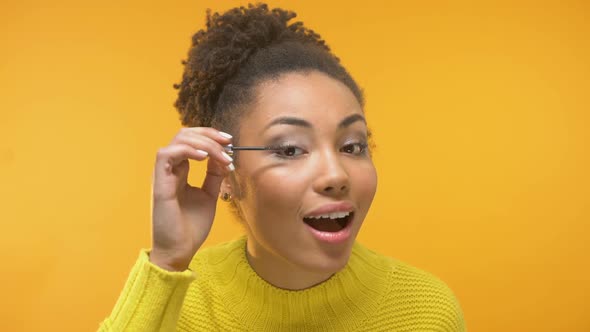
{"x":288,"y":151}
{"x":356,"y":149}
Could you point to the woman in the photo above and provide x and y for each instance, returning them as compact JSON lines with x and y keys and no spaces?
{"x":254,"y":79}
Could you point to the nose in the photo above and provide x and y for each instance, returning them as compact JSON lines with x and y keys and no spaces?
{"x":332,"y":178}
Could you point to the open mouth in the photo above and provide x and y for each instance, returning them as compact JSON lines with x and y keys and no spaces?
{"x":333,"y":222}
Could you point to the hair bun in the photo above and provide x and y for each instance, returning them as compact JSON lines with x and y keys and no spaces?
{"x":220,"y":50}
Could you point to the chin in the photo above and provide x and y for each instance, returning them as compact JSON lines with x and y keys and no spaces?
{"x":323,"y":262}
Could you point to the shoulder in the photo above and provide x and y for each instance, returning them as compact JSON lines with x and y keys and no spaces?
{"x":424,"y":300}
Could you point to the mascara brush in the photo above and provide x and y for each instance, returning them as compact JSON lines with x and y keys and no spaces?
{"x":230,"y":148}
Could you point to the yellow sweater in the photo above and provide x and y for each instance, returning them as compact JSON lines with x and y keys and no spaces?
{"x":372,"y":293}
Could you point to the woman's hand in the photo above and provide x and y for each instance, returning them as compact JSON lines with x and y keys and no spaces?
{"x":182,"y":215}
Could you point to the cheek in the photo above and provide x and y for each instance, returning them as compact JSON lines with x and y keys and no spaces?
{"x":365,"y":180}
{"x":277,"y":192}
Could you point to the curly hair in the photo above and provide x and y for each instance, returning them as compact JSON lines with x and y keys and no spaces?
{"x":240,"y":49}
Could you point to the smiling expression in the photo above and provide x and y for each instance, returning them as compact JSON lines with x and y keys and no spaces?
{"x":304,"y":204}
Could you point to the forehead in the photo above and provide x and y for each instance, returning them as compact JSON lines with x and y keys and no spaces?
{"x":313,"y":96}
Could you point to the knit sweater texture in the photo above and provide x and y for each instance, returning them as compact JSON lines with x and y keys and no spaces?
{"x":221,"y":292}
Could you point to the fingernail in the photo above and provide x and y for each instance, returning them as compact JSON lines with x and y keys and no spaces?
{"x":231,"y":167}
{"x":226,"y":156}
{"x":226,"y":135}
{"x":202,"y":153}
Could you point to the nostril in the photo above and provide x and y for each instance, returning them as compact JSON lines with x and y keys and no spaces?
{"x":329,"y":189}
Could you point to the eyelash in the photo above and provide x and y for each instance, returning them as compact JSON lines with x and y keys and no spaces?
{"x":279,"y":150}
{"x":363,"y":146}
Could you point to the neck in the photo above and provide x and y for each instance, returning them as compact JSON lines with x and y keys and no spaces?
{"x":280,"y":273}
{"x":340,"y":303}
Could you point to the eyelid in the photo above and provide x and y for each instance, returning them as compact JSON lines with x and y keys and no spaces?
{"x":283,"y":146}
{"x":363,"y":140}
{"x":362,"y":144}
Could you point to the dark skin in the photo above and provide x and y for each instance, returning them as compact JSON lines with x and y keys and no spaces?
{"x":182,"y":215}
{"x":327,"y":163}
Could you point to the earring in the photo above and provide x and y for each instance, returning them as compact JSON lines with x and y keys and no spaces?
{"x":226,"y":197}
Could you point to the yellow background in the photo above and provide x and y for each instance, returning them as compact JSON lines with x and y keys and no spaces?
{"x":480,"y":114}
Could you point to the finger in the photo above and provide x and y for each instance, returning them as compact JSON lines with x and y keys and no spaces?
{"x":169,"y":157}
{"x":215,"y":174}
{"x":214,"y":134}
{"x":203,"y":143}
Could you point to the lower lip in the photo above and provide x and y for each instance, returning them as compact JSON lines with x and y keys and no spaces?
{"x":332,"y":237}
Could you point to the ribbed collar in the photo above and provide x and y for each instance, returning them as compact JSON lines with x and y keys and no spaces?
{"x":340,"y":303}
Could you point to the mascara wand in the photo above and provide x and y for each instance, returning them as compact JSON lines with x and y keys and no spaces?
{"x":230,"y":148}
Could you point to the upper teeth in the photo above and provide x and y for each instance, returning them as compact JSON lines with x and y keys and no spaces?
{"x":333,"y":215}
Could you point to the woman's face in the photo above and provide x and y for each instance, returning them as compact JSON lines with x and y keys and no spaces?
{"x":322,"y":171}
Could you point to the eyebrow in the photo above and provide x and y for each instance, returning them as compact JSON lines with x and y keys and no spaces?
{"x":286,"y":120}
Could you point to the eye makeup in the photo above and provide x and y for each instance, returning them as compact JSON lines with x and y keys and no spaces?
{"x":360,"y":146}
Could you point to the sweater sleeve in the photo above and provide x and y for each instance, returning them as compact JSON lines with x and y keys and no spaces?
{"x":457,"y":320}
{"x":151,"y":299}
